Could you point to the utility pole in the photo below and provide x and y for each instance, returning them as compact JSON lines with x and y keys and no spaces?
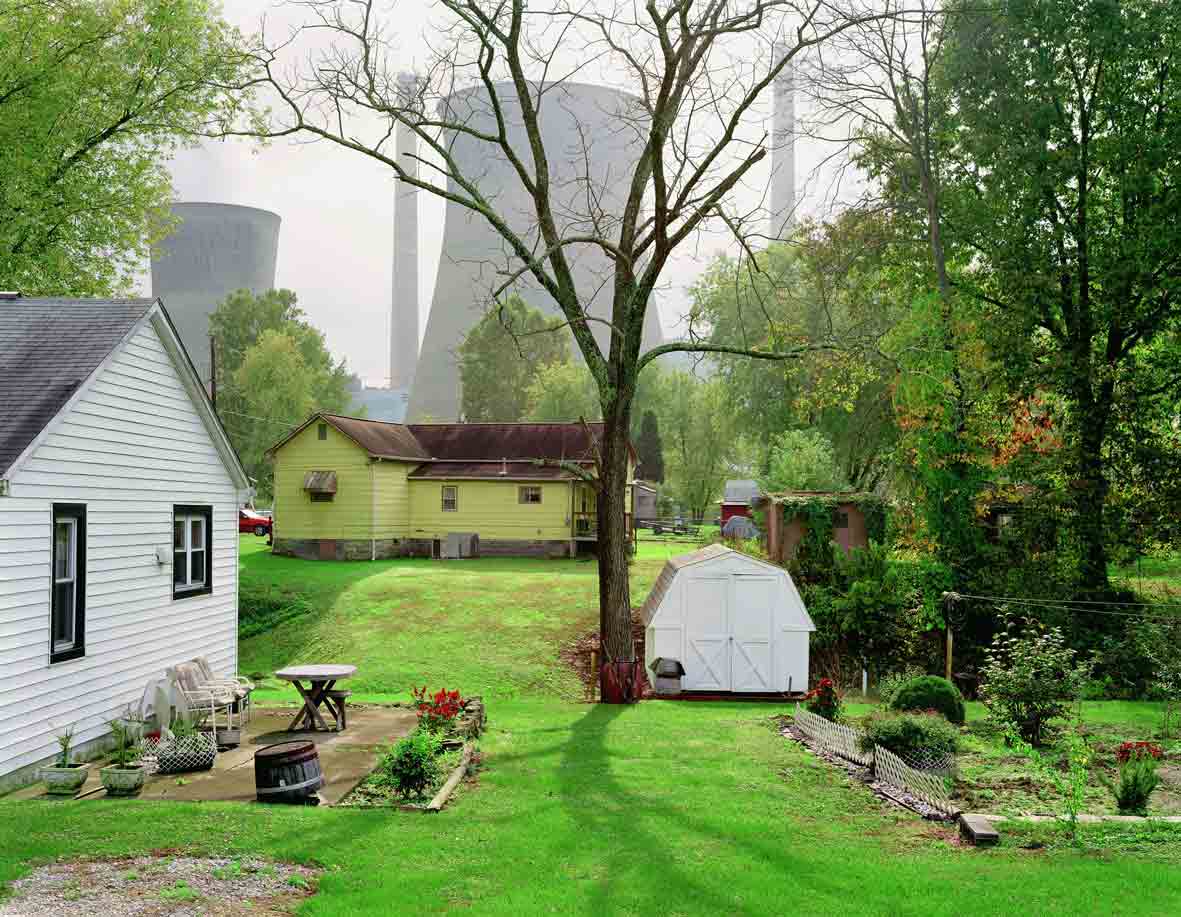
{"x":949,"y":599}
{"x":212,"y":373}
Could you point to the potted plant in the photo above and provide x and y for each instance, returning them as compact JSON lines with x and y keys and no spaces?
{"x":124,"y":776}
{"x":134,"y":722}
{"x":63,"y":777}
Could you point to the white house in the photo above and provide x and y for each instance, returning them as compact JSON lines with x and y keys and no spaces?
{"x":735,"y":623}
{"x":119,"y":496}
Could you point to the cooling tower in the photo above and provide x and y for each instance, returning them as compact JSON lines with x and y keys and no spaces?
{"x":592,"y":140}
{"x":404,"y":308}
{"x":214,"y":250}
{"x":783,"y":153}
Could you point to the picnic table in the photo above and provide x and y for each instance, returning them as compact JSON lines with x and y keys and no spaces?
{"x":321,"y":680}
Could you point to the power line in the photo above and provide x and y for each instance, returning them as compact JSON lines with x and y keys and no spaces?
{"x":1062,"y":605}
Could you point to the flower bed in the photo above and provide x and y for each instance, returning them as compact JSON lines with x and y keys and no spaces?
{"x":411,"y":771}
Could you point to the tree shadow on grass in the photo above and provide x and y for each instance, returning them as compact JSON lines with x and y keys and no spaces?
{"x":625,"y":824}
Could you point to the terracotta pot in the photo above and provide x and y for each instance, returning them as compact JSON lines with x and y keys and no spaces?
{"x":122,"y":781}
{"x":63,"y":781}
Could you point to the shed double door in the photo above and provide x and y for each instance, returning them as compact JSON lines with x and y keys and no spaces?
{"x":729,"y":633}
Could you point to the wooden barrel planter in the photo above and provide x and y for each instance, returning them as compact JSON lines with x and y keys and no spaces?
{"x":288,"y":772}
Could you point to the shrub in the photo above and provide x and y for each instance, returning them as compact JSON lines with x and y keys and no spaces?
{"x":889,"y":685}
{"x":411,"y":766}
{"x":1137,"y":776}
{"x":1029,"y":679}
{"x":823,"y":700}
{"x":930,"y":692}
{"x":436,"y":712}
{"x":915,"y":737}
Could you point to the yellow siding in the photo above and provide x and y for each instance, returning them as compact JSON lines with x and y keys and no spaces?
{"x":393,"y":499}
{"x":490,"y":508}
{"x":350,"y":514}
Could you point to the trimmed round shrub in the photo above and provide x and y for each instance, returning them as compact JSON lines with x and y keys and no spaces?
{"x":914,"y":737}
{"x":930,"y":692}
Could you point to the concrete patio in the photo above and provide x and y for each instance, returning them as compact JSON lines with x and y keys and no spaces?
{"x":346,"y":758}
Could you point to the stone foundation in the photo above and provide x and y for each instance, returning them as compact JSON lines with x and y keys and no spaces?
{"x":384,"y":548}
{"x":351,"y":548}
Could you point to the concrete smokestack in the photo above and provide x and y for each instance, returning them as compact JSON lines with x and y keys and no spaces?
{"x":783,"y":151}
{"x":404,"y":308}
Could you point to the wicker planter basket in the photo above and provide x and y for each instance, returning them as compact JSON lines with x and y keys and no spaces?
{"x":184,"y":754}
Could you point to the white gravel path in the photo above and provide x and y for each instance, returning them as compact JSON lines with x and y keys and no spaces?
{"x":159,"y":886}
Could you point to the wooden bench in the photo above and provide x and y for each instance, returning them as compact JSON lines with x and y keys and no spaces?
{"x":336,"y":700}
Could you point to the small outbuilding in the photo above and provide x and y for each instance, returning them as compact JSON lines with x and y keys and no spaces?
{"x":735,"y":623}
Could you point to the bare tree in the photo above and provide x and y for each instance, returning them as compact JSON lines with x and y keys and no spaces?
{"x":694,"y":71}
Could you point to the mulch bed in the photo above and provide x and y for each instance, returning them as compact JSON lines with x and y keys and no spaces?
{"x":577,"y":655}
{"x":154,"y":885}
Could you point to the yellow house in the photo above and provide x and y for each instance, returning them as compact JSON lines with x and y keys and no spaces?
{"x":350,"y":488}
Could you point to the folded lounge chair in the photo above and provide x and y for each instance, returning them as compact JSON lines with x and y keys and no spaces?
{"x":215,"y":703}
{"x":241,"y":687}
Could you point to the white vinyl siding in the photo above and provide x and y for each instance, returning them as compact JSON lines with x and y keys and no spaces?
{"x":131,"y":448}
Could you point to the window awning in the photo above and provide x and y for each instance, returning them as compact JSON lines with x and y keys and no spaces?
{"x":320,"y":482}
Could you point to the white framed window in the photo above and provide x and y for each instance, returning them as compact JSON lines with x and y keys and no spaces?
{"x":450,"y":495}
{"x":68,"y":603}
{"x":192,"y":545}
{"x":529,"y":493}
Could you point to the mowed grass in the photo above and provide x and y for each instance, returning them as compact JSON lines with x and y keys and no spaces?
{"x":490,"y":626}
{"x":659,"y":808}
{"x":1157,"y":577}
{"x":662,"y":808}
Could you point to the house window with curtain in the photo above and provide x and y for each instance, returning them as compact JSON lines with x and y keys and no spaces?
{"x":192,"y":548}
{"x":450,"y":498}
{"x":529,"y":493}
{"x":67,"y":631}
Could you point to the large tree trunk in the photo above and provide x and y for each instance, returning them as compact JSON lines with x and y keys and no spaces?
{"x":1090,"y":489}
{"x":615,"y":625}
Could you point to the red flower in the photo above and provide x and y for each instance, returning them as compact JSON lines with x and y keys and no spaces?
{"x":1129,"y":750}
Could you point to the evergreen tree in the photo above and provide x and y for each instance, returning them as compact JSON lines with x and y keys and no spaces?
{"x":649,"y":450}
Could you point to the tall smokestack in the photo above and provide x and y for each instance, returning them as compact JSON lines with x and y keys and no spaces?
{"x":404,"y":308}
{"x":783,"y":150}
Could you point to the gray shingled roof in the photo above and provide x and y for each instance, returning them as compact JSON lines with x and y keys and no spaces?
{"x":669,"y":573}
{"x":48,"y":348}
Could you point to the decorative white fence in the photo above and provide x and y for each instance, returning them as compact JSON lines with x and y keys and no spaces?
{"x":931,"y":785}
{"x":840,"y":740}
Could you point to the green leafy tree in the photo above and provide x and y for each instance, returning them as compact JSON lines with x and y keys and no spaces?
{"x":802,"y":460}
{"x":562,"y":392}
{"x":821,"y":285}
{"x":295,"y":358}
{"x":698,"y":441}
{"x":1066,"y":186}
{"x":501,"y":356}
{"x":279,"y":385}
{"x":95,"y":95}
{"x":650,"y":450}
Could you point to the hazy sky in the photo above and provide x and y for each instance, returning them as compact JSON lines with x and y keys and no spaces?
{"x":337,"y":208}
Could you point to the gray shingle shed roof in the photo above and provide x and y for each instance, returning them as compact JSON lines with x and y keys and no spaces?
{"x":669,"y":573}
{"x":48,"y":348}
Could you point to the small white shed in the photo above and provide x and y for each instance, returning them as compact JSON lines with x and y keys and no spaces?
{"x":734,"y":622}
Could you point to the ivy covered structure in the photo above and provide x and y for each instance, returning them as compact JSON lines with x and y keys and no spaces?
{"x":801,"y":526}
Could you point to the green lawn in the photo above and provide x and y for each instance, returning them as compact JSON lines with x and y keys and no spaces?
{"x":660,"y":808}
{"x":492,"y":626}
{"x":1157,"y":577}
